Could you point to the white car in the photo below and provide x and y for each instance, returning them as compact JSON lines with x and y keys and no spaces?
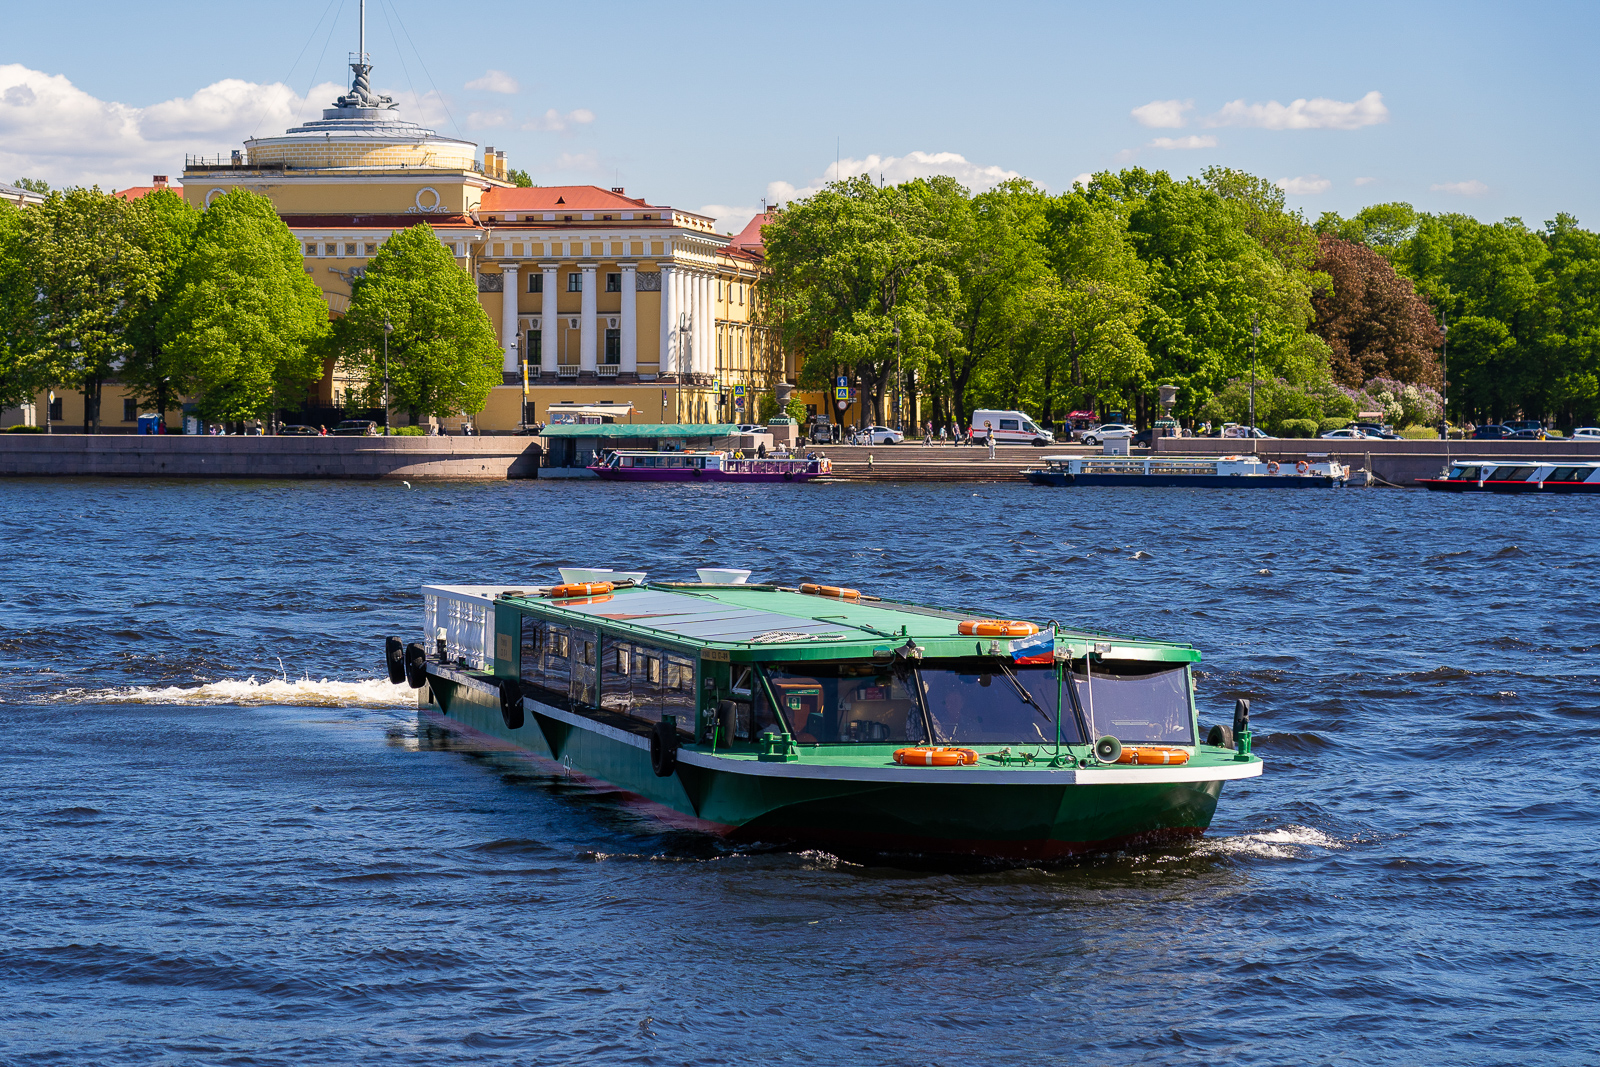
{"x":1586,"y":433}
{"x":882,"y":435}
{"x":1097,"y":435}
{"x":1346,"y":435}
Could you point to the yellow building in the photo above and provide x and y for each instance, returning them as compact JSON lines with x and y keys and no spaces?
{"x":607,"y":297}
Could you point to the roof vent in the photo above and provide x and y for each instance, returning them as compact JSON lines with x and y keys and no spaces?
{"x":561,"y":200}
{"x":618,"y":190}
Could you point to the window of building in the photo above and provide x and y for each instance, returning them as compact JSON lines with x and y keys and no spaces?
{"x":574,"y":282}
{"x":55,"y":409}
{"x":130,"y":411}
{"x":613,"y":283}
{"x":741,"y":294}
{"x":567,"y":219}
{"x":605,"y":218}
{"x":647,"y":218}
{"x":536,"y":283}
{"x":350,"y":249}
{"x":613,"y":346}
{"x":372,"y":248}
{"x":719,"y":289}
{"x":535,"y":347}
{"x":331,"y":250}
{"x":311,"y":250}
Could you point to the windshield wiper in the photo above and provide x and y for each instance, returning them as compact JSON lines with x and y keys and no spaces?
{"x":1027,"y":697}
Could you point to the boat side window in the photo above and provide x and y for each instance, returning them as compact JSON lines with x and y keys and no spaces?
{"x":1135,"y":701}
{"x":583,"y":688}
{"x":616,"y":676}
{"x":1464,"y":474}
{"x":848,"y":703}
{"x":1567,"y":474}
{"x":678,"y":693}
{"x":981,"y":701}
{"x":1514,"y":474}
{"x":752,"y":716}
{"x":545,"y":647}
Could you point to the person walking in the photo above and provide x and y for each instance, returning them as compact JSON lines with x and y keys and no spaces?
{"x":988,"y":437}
{"x":869,"y":463}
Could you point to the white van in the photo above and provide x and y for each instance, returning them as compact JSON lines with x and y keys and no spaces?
{"x":1010,"y":428}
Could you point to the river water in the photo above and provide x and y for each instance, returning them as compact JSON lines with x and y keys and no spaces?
{"x":227,"y":841}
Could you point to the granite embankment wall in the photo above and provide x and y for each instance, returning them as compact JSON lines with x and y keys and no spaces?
{"x":1396,"y":462}
{"x":124,"y":456}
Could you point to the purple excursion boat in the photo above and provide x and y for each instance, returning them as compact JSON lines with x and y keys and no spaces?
{"x":648,"y":466}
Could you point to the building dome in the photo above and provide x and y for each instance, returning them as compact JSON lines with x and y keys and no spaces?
{"x":362,"y":130}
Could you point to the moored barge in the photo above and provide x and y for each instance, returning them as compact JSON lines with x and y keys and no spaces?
{"x":642,"y":465}
{"x":1516,"y":476}
{"x":822,"y":717}
{"x":1225,"y":472}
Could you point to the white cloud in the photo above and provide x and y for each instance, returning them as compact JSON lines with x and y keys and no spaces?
{"x":485,"y":120}
{"x":51,"y":129}
{"x":1365,"y":181}
{"x":1163,"y":114}
{"x":1191,"y":141}
{"x":579,"y":161}
{"x":554,"y":121}
{"x":494,"y":81}
{"x":1318,"y":114}
{"x":895,"y":169}
{"x":1083,"y":179}
{"x":731,"y":218}
{"x":1305,"y":185}
{"x":1467,"y":188}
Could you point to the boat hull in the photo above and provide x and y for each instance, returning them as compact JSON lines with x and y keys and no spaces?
{"x":950,"y":812}
{"x":1464,"y":485}
{"x":680,"y":474}
{"x":1174,"y":481}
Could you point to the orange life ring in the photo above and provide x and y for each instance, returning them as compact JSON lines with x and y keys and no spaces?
{"x":996,"y":628}
{"x":581,"y":589}
{"x":1154,"y":755}
{"x":934,"y":757}
{"x":1272,"y":466}
{"x":838,"y":592}
{"x":1302,"y":466}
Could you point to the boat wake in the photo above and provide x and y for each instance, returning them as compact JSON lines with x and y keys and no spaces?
{"x":248,"y":692}
{"x":1286,"y":843}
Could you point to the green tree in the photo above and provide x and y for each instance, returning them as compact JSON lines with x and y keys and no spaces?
{"x":443,"y":356}
{"x":162,"y":225}
{"x":33,"y":185}
{"x":87,"y":275}
{"x":520,"y":178}
{"x":244,"y":325}
{"x":26,"y":367}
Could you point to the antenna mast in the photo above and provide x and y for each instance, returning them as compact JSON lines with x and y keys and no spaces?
{"x":362,"y":39}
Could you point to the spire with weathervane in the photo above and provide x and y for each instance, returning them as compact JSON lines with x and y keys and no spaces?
{"x":361,"y":95}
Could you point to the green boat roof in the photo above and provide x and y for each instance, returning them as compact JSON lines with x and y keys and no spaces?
{"x":766,"y":622}
{"x":640,"y":430}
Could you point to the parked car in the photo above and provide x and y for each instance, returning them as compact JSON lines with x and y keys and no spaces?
{"x":298,"y":430}
{"x":1096,"y":436}
{"x":1373,"y":430}
{"x":820,"y":432}
{"x":882,"y":435}
{"x":1010,"y":428}
{"x":1525,"y":424}
{"x":1347,"y":434}
{"x":1528,"y":434}
{"x":1586,"y":433}
{"x":355,"y":428}
{"x":1491,"y":431}
{"x":750,"y":427}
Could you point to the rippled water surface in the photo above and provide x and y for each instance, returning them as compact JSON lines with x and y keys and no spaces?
{"x":227,"y":842}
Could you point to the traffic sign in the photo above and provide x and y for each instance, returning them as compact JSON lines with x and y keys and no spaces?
{"x":842,"y":382}
{"x":841,"y":394}
{"x":738,"y":390}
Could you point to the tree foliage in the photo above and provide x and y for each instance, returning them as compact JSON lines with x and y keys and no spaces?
{"x":1374,"y":322}
{"x":442,"y":354}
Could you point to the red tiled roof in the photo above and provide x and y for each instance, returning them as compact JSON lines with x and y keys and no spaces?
{"x":136,"y":191}
{"x":750,"y":237}
{"x":555,"y":198}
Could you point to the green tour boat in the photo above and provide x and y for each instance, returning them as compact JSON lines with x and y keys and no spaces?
{"x":822,"y":717}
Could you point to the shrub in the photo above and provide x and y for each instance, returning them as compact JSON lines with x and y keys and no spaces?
{"x":24,"y":429}
{"x":1298,"y":428}
{"x":1332,"y":424}
{"x":407,"y":431}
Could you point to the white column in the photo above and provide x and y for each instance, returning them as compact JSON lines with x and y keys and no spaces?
{"x":630,"y":322}
{"x":669,"y":318}
{"x":708,"y":311}
{"x":587,"y":324}
{"x":549,"y":321}
{"x":508,"y":317}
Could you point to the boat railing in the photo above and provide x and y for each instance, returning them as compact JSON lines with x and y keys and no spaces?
{"x":770,"y":465}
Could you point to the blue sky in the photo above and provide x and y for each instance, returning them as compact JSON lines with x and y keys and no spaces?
{"x":1482,"y":108}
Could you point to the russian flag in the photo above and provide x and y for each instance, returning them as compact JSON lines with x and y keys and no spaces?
{"x":1040,"y":648}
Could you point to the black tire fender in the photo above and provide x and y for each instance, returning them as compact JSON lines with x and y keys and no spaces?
{"x":511,"y":703}
{"x":1220,"y":736}
{"x":394,"y":656}
{"x":416,"y":666}
{"x":664,"y":749}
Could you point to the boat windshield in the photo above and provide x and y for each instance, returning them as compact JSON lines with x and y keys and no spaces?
{"x":845,"y":703}
{"x":987,"y":701}
{"x":1136,"y":702}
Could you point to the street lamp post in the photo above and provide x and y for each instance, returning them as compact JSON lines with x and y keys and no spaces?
{"x":1255,"y":337}
{"x":387,"y":330}
{"x":899,"y":417}
{"x":49,"y":408}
